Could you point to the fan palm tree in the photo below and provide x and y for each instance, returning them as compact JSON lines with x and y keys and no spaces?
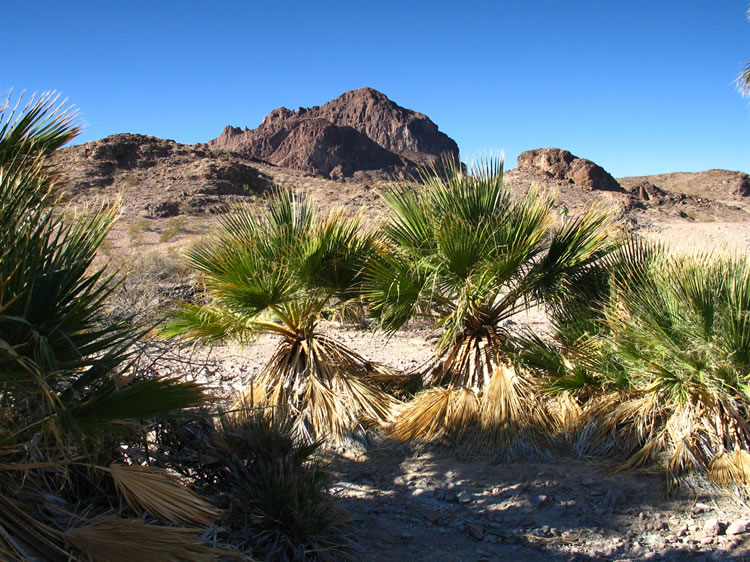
{"x":285,"y":273}
{"x":460,"y":250}
{"x":743,"y":80}
{"x":667,"y":369}
{"x":68,"y":404}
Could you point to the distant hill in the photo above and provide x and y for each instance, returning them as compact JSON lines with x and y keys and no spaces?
{"x":364,"y":138}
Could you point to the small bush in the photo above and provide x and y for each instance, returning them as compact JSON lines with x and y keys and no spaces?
{"x":136,"y":230}
{"x":154,"y":280}
{"x":175,"y":226}
{"x":272,"y":487}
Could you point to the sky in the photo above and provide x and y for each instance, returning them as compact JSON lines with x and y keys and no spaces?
{"x":639,"y":87}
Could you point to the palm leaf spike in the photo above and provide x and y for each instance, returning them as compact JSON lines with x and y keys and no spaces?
{"x":39,"y":127}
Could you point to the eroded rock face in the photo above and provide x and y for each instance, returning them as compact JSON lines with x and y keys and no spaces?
{"x":360,"y":133}
{"x":562,"y":165}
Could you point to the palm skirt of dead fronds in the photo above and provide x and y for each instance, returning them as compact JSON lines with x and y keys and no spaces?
{"x":706,"y":434}
{"x":481,"y":402}
{"x":324,"y":386}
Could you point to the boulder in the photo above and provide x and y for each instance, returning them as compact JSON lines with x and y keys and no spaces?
{"x":562,"y":165}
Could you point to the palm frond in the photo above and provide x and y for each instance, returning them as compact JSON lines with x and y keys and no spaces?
{"x":37,"y":128}
{"x":153,"y":490}
{"x":116,"y":539}
{"x":436,"y":415}
{"x":743,"y":80}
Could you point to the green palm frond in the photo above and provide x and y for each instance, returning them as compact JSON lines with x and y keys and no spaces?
{"x":68,"y":395}
{"x":410,"y":226}
{"x":107,"y":410}
{"x":583,"y":242}
{"x":394,"y":288}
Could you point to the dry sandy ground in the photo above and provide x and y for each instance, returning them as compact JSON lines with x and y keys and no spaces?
{"x":700,"y":237}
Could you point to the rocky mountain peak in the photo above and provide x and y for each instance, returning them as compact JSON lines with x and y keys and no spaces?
{"x":360,"y":133}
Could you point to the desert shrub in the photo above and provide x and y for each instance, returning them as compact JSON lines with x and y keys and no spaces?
{"x":661,"y":372}
{"x":137,"y":228}
{"x":269,"y":482}
{"x":175,"y":226}
{"x":148,"y":285}
{"x":458,"y":250}
{"x":70,"y":408}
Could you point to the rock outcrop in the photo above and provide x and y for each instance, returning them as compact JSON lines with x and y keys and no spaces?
{"x":562,"y":165}
{"x":360,"y":134}
{"x":162,"y":177}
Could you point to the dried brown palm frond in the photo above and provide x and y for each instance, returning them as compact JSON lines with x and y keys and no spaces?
{"x":685,"y":437}
{"x":437,"y":414}
{"x":24,"y":535}
{"x":326,"y":386}
{"x":566,"y":414}
{"x":493,"y":416}
{"x":153,"y":490}
{"x":121,"y":540}
{"x":510,"y":403}
{"x":730,"y":468}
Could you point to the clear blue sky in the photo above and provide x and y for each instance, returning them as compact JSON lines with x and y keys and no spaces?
{"x":640,"y":87}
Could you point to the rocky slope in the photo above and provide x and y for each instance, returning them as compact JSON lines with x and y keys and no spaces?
{"x":360,"y":134}
{"x":158,"y":177}
{"x":719,"y":185}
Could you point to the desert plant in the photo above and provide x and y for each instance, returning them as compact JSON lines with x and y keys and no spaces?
{"x":743,"y":80}
{"x":285,"y":273}
{"x":667,"y":366}
{"x":68,"y":405}
{"x":270,"y":483}
{"x":461,"y":251}
{"x":174,"y":227}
